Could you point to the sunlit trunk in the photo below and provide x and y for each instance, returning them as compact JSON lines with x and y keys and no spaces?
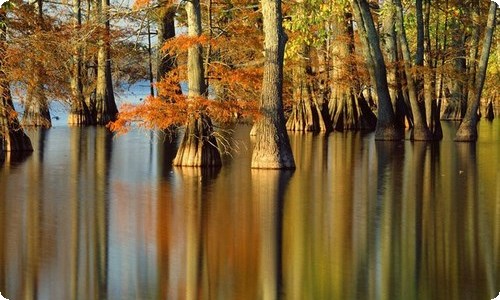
{"x":198,"y":147}
{"x":387,"y":126}
{"x":347,"y":107}
{"x":272,"y":146}
{"x":420,"y":129}
{"x":106,"y":109}
{"x":467,"y":132}
{"x":79,"y":113}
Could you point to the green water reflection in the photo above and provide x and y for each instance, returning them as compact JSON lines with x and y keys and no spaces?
{"x":92,"y":216}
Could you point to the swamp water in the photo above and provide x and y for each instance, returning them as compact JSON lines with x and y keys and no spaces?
{"x":92,"y":216}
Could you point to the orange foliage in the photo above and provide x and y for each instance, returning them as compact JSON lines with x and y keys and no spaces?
{"x":155,"y":113}
{"x":183,"y":42}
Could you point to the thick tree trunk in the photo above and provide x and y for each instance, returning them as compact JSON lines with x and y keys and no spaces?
{"x":79,"y":113}
{"x":106,"y":109}
{"x":389,"y":42}
{"x":166,"y":31}
{"x":348,"y":109}
{"x":272,"y":147}
{"x":467,"y":132}
{"x":12,"y":136}
{"x":387,"y":125}
{"x":199,"y":146}
{"x":420,"y":130}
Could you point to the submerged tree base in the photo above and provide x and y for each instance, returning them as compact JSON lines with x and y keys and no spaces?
{"x":199,"y":146}
{"x":272,"y":147}
{"x":467,"y":132}
{"x":388,"y":132}
{"x":16,"y":141}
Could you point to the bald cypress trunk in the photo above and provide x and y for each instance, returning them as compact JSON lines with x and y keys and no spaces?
{"x":79,"y":113}
{"x":12,"y":136}
{"x":272,"y":146}
{"x":420,"y":130}
{"x":347,"y":107}
{"x":387,"y":125}
{"x":467,"y":132}
{"x":166,"y":31}
{"x":106,"y":109}
{"x":306,"y":112}
{"x":36,"y":108}
{"x":198,"y":147}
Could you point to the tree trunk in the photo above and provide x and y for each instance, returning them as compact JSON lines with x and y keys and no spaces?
{"x":420,"y":130}
{"x":36,"y":109}
{"x":431,"y":104}
{"x":348,"y":108}
{"x":166,"y":31}
{"x":387,"y":126}
{"x":106,"y":109}
{"x":272,"y":147}
{"x":199,"y":146}
{"x":79,"y":113}
{"x":467,"y":132}
{"x":390,"y":49}
{"x":12,"y":136}
{"x":306,"y":112}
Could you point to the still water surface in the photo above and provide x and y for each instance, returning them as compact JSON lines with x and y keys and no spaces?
{"x":92,"y":216}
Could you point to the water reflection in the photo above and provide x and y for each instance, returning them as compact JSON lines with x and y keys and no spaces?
{"x":92,"y":216}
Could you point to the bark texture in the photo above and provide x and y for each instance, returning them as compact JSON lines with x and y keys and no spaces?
{"x":79,"y":113}
{"x":106,"y":109}
{"x":348,"y":109}
{"x":306,"y":112}
{"x":387,"y":127}
{"x":12,"y":136}
{"x":467,"y":132}
{"x":420,"y":130}
{"x":272,"y":146}
{"x":198,"y":147}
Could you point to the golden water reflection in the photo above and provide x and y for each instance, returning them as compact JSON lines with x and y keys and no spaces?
{"x":90,"y":216}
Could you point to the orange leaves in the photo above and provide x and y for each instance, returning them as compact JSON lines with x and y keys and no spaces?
{"x":156,"y":113}
{"x":183,"y":42}
{"x":140,"y":4}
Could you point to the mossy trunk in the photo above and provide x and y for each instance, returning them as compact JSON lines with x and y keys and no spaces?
{"x":272,"y":146}
{"x":348,"y":109}
{"x":198,"y":147}
{"x":387,"y":125}
{"x":467,"y":132}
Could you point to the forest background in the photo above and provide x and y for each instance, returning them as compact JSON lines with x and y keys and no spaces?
{"x":348,"y":65}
